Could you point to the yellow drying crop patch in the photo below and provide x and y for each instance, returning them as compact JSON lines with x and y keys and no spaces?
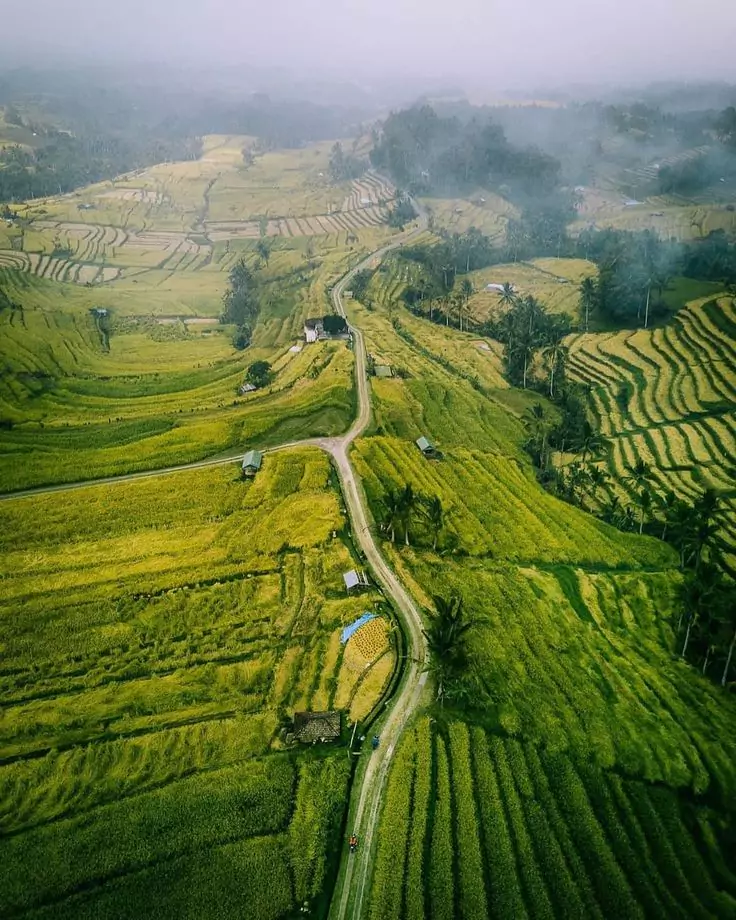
{"x":372,"y":686}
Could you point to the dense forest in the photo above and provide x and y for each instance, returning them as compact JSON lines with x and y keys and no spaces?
{"x":425,"y":152}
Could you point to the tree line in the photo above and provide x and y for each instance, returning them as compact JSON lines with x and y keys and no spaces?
{"x":448,"y":624}
{"x":241,"y":303}
{"x":426,"y":153}
{"x":636,"y":268}
{"x":64,"y":162}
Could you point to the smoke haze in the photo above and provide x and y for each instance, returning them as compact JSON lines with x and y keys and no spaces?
{"x":487,"y":45}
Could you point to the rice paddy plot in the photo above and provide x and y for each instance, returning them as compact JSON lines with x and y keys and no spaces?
{"x":156,"y":634}
{"x":539,"y":834}
{"x":554,"y":282}
{"x":668,"y":397}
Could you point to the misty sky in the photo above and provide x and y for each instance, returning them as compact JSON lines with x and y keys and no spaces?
{"x":483,"y":43}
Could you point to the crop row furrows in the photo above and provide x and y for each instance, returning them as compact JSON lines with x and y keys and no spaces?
{"x":693,"y":360}
{"x":237,"y":642}
{"x":707,"y":346}
{"x":715,"y":328}
{"x":672,"y":374}
{"x":656,"y":394}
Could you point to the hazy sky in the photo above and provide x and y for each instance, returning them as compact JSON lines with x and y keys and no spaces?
{"x":481,"y":42}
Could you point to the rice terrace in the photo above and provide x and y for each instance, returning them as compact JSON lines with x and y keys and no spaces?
{"x":367,"y":502}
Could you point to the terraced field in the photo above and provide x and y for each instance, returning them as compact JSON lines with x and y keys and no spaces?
{"x":668,"y":397}
{"x":554,"y":282}
{"x":669,"y":216}
{"x":155,"y":636}
{"x":583,"y":769}
{"x":485,"y":210}
{"x":78,"y":403}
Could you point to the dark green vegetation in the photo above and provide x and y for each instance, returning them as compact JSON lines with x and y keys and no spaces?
{"x":424,"y":151}
{"x":63,"y":162}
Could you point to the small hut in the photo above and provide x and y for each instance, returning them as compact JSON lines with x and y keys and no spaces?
{"x":355,"y":580}
{"x":311,"y":727}
{"x":427,"y":448}
{"x":252,"y":463}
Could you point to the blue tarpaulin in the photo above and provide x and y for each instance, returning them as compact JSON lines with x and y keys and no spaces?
{"x":355,"y":626}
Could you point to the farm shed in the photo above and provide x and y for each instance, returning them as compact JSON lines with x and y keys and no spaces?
{"x":313,"y":328}
{"x":331,"y":326}
{"x":311,"y":727}
{"x":383,"y":370}
{"x":247,"y":388}
{"x":252,"y":462}
{"x":355,"y":579}
{"x":427,"y":447}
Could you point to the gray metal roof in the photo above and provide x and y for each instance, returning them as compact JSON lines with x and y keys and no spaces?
{"x":252,"y":460}
{"x":424,"y":444}
{"x":351,"y":579}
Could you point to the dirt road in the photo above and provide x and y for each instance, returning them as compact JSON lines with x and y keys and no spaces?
{"x":352,"y":885}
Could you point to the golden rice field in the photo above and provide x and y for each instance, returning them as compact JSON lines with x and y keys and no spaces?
{"x":485,"y":210}
{"x":156,"y":637}
{"x":668,"y":216}
{"x":554,"y":282}
{"x":667,"y":396}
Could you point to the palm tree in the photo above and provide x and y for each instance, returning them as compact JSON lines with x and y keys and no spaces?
{"x":700,"y":591}
{"x":640,"y":475}
{"x":263,"y":248}
{"x":668,"y":502}
{"x":445,"y":637}
{"x":683,"y":521}
{"x":435,"y":517}
{"x":555,"y":356}
{"x":646,"y":501}
{"x":588,"y":299}
{"x":407,"y":505}
{"x":466,"y":289}
{"x":628,"y":519}
{"x":598,"y":479}
{"x":508,"y":295}
{"x":611,"y":510}
{"x":591,"y":442}
{"x":577,"y":476}
{"x":538,"y":425}
{"x":393,"y":512}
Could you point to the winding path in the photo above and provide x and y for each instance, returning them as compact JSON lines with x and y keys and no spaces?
{"x":354,"y":875}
